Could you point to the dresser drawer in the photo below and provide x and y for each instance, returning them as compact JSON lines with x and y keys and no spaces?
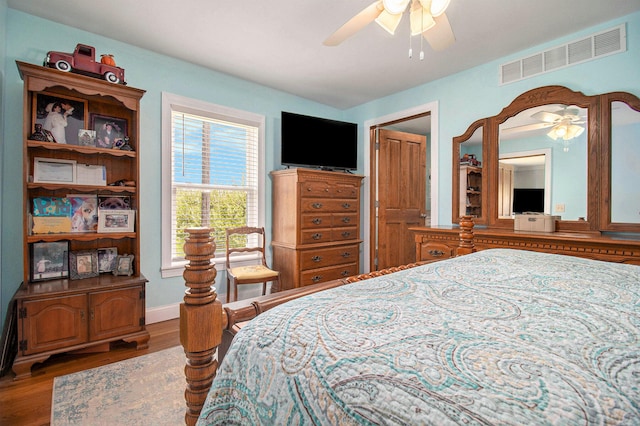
{"x":328,"y":205}
{"x":345,"y":219}
{"x":313,"y":259}
{"x":327,"y":274}
{"x":314,"y":236}
{"x":435,"y":251}
{"x":346,"y":233}
{"x":325,"y":189}
{"x":316,"y":220}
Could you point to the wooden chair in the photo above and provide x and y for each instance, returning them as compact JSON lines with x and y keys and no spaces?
{"x":249,"y":274}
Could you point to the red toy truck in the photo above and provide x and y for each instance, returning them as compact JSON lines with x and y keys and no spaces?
{"x":82,"y":61}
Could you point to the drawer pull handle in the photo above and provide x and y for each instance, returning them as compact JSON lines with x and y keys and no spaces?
{"x":82,"y":315}
{"x":436,"y":253}
{"x":346,"y":234}
{"x":346,"y":205}
{"x":316,"y":278}
{"x":345,"y":273}
{"x":346,"y":219}
{"x":346,"y":254}
{"x":317,"y":258}
{"x":316,"y":236}
{"x":316,"y":205}
{"x":316,"y":221}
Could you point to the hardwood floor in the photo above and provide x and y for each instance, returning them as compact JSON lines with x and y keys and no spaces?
{"x":28,"y":401}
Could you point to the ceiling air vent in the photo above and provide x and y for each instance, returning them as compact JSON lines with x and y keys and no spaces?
{"x":592,"y":47}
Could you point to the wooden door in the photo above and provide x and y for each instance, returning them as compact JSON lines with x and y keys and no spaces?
{"x":401,"y":188}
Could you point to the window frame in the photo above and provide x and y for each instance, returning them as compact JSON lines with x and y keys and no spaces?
{"x":170,"y":103}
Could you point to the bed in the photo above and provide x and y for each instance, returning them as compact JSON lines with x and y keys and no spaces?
{"x":500,"y":336}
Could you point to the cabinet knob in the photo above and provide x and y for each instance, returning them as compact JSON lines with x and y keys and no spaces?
{"x":316,"y":278}
{"x":316,"y":258}
{"x":316,"y":205}
{"x":346,"y":234}
{"x":344,"y":273}
{"x":436,"y":253}
{"x":316,"y":221}
{"x":346,"y":254}
{"x":346,"y":219}
{"x":346,"y":205}
{"x":316,"y":236}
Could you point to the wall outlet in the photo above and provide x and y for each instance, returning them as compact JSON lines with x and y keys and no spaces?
{"x":559,"y":208}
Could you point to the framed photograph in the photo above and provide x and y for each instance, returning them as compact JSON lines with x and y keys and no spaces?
{"x":84,"y":212}
{"x":53,"y":170}
{"x":124,"y":265}
{"x":83,"y":264}
{"x":116,"y":220}
{"x":107,"y":259}
{"x":109,"y":130}
{"x":62,"y":116}
{"x":49,"y":260}
{"x":86,"y":137}
{"x":114,"y":202}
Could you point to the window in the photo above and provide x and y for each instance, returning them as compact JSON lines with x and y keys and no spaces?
{"x":212,"y":168}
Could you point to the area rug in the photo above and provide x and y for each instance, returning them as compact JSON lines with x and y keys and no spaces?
{"x":146,"y":390}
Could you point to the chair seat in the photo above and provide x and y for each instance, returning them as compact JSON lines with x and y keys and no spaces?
{"x":257,"y":272}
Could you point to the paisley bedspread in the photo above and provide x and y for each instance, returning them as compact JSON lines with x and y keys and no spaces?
{"x":504,"y":337}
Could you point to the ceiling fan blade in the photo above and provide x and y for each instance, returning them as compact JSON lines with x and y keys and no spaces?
{"x":525,"y":128}
{"x":440,"y":36}
{"x":355,"y":24}
{"x":547,"y":117}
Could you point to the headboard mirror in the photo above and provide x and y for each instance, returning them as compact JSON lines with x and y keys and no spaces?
{"x":556,"y":151}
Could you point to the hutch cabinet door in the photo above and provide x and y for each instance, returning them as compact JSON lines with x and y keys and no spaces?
{"x":116,"y":312}
{"x":52,"y":323}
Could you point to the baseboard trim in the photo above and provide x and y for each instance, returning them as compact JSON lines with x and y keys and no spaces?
{"x":162,"y":313}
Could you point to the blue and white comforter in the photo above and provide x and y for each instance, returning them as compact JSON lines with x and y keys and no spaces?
{"x":500,"y":336}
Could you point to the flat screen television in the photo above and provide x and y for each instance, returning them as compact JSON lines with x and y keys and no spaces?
{"x":318,"y":142}
{"x":528,"y":200}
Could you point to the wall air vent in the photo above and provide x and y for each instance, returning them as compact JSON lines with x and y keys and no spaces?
{"x":595,"y":46}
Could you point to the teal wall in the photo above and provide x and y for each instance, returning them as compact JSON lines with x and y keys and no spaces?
{"x":463,"y":98}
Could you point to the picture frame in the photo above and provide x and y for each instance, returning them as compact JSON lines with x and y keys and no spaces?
{"x":109,"y":130}
{"x":73,"y":111}
{"x":124,"y":265}
{"x":54,"y":170}
{"x":84,"y":212}
{"x":107,"y":258}
{"x":83,"y":264}
{"x":116,"y":220}
{"x":86,"y":137}
{"x":49,"y":260}
{"x":114,"y":202}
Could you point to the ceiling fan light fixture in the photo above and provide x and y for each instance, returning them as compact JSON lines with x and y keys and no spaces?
{"x":395,"y":7}
{"x":438,"y":7}
{"x":389,"y":21}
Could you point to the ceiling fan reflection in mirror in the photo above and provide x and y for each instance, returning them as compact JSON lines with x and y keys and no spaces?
{"x":564,"y":123}
{"x":426,"y":17}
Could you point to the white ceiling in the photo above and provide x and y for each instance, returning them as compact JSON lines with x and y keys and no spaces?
{"x":278,"y":43}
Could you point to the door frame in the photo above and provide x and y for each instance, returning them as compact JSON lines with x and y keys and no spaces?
{"x":432,"y":108}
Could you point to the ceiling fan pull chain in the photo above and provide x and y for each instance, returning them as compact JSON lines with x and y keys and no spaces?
{"x":410,"y":49}
{"x":421,"y":51}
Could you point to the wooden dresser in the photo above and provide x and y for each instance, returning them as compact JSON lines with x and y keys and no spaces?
{"x":316,"y":226}
{"x":441,"y":242}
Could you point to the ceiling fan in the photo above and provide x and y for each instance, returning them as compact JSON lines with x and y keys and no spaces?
{"x":564,"y":123}
{"x":426,"y":17}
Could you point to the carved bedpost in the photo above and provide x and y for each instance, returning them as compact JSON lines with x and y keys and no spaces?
{"x":200,"y":320}
{"x":466,"y":245}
